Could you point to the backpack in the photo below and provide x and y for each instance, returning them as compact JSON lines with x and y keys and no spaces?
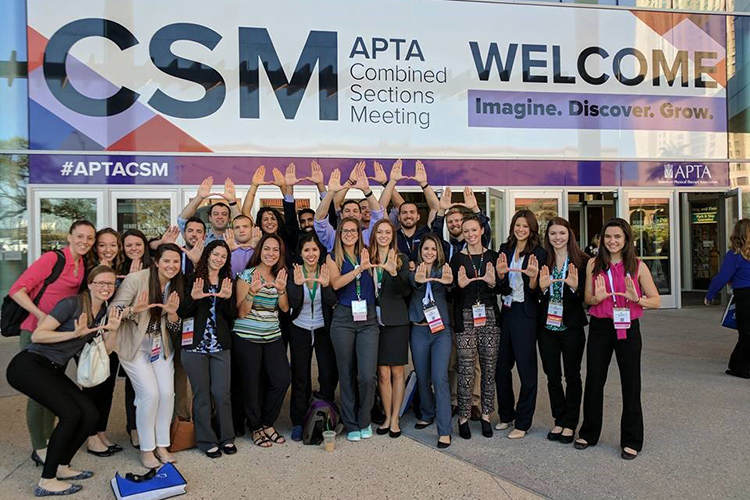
{"x":12,"y":314}
{"x":321,"y":416}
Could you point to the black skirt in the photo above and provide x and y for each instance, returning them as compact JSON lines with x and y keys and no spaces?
{"x":393,"y":348}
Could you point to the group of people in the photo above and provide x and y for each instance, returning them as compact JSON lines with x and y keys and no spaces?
{"x":204,"y":329}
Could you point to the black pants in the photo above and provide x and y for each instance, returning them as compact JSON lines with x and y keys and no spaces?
{"x":739,"y":361}
{"x":301,"y":350}
{"x":101,"y":395}
{"x":46,"y":383}
{"x":602,"y":342}
{"x":237,"y":390}
{"x":568,"y":345}
{"x":517,"y":347}
{"x":269,"y":358}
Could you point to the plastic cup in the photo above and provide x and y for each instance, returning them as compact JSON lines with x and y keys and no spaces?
{"x":329,"y":440}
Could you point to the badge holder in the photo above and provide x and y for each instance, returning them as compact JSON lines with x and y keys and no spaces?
{"x":555,"y":308}
{"x":359,"y":306}
{"x":156,"y":347}
{"x":479,"y":313}
{"x":188,"y":328}
{"x":431,"y":312}
{"x":620,"y":315}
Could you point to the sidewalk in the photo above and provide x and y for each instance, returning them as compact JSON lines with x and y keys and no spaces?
{"x":696,"y":443}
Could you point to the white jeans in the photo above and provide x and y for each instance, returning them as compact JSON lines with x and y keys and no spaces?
{"x":154,"y":396}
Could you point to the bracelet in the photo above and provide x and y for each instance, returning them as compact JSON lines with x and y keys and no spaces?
{"x":251,"y":295}
{"x":427,"y":184}
{"x":384,"y":184}
{"x":367,"y":195}
{"x":351,"y":182}
{"x":639,"y":300}
{"x":232,"y":203}
{"x":281,"y":293}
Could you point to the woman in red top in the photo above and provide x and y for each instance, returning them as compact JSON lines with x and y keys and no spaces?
{"x":618,"y":287}
{"x":81,"y":235}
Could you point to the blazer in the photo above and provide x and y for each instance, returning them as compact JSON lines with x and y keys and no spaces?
{"x":133,"y":327}
{"x":531,"y":296}
{"x":574,"y":314}
{"x":199,"y":310}
{"x":439,"y":296}
{"x":394,"y":294}
{"x":297,"y":299}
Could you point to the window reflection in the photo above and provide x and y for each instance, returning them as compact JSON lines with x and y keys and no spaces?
{"x":649,"y":218}
{"x":13,"y":88}
{"x":14,"y":218}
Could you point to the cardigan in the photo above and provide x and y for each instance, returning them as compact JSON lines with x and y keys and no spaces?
{"x":531,"y":297}
{"x":394,"y":294}
{"x":297,"y":298}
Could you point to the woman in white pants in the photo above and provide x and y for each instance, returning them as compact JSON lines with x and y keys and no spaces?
{"x":150,"y":299}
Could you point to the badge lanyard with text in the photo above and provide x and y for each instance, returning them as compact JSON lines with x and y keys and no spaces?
{"x":620,"y":315}
{"x":431,"y":312}
{"x":359,"y":306}
{"x":156,"y":340}
{"x":555,"y":310}
{"x":478,"y":310}
{"x":311,"y":293}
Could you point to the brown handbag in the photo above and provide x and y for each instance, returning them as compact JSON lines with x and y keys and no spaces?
{"x":181,"y":435}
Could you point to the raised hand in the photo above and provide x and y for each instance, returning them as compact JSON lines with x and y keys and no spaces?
{"x":362,"y":183}
{"x":397,"y":171}
{"x":380,"y":176}
{"x":230,"y":240}
{"x":259,"y":177}
{"x":544,"y":278}
{"x":226,"y":289}
{"x":114,"y":318}
{"x":502,"y":265}
{"x":630,"y":292}
{"x":572,"y":278}
{"x":290,"y":176}
{"x":364,"y":260}
{"x":446,"y":200}
{"x":278,"y":178}
{"x":470,"y":201}
{"x":463,"y":279}
{"x":255,"y":235}
{"x":299,"y":276}
{"x":142,"y":304}
{"x":172,"y":304}
{"x":170,"y":235}
{"x":316,"y":173}
{"x":280,"y":281}
{"x":197,"y":292}
{"x":447,"y":277}
{"x":82,"y":326}
{"x":194,"y":254}
{"x":600,"y":289}
{"x":420,"y":173}
{"x":391,"y":265}
{"x":135,"y":265}
{"x":204,"y":189}
{"x":334,"y":181}
{"x":420,"y":274}
{"x":532,"y":268}
{"x":489,"y":275}
{"x":230,"y":192}
{"x":256,"y":284}
{"x":325,"y":276}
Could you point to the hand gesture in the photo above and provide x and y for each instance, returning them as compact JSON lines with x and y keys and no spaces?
{"x":397,"y":171}
{"x":364,"y":260}
{"x":173,"y":302}
{"x":230,"y":240}
{"x":630,"y":292}
{"x":259,"y":177}
{"x":420,"y":275}
{"x":280,"y":281}
{"x":502,"y":265}
{"x":380,"y":176}
{"x":600,"y":289}
{"x":572,"y":278}
{"x":445,"y":201}
{"x":334,"y":182}
{"x":170,"y":235}
{"x":82,"y":326}
{"x":544,"y":278}
{"x":362,"y":183}
{"x":142,"y":304}
{"x":392,"y":263}
{"x":470,"y":201}
{"x":230,"y":192}
{"x":255,"y":235}
{"x":197,"y":292}
{"x":299,"y":277}
{"x":447,"y":277}
{"x":204,"y":189}
{"x":278,"y":178}
{"x":532,"y":268}
{"x":114,"y":318}
{"x":420,"y":173}
{"x":463,"y":280}
{"x":706,"y":302}
{"x":325,"y":276}
{"x":194,"y":254}
{"x":226,"y":289}
{"x":489,"y":275}
{"x":316,"y":173}
{"x":256,"y":284}
{"x":135,"y":266}
{"x":290,"y":176}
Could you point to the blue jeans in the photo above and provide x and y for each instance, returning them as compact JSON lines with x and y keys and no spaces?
{"x":431,"y":353}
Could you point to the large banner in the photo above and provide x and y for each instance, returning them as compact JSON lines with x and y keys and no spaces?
{"x":393,"y":78}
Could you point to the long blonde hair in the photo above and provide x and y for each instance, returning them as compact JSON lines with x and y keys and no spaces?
{"x":739,"y":242}
{"x":338,"y":245}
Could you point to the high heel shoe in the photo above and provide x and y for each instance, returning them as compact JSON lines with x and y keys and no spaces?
{"x":381,"y":431}
{"x":37,"y":459}
{"x":463,"y":430}
{"x":486,"y":428}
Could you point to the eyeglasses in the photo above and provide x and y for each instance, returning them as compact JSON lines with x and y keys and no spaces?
{"x":103,"y":284}
{"x":349,"y":231}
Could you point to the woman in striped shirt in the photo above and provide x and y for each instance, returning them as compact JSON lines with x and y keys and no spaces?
{"x":261,"y":292}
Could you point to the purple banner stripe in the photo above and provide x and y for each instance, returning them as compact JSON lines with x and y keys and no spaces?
{"x":493,"y":108}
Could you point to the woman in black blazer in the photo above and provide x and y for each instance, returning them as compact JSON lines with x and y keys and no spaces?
{"x":561,"y":321}
{"x":518,"y":272}
{"x":208,"y":313}
{"x":392,"y":289}
{"x":311,"y":301}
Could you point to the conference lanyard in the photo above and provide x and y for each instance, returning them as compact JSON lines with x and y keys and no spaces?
{"x":358,"y":285}
{"x":311,"y":293}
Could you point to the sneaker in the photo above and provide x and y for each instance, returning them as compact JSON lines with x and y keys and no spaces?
{"x":297,"y":433}
{"x":354,"y":436}
{"x":366,"y":433}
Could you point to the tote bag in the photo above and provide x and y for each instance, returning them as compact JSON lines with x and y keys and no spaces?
{"x":93,"y":365}
{"x":729,"y":320}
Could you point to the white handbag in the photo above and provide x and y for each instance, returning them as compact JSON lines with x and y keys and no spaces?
{"x":93,"y":365}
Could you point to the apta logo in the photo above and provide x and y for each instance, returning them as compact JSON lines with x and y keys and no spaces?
{"x":687,"y":174}
{"x":256,"y":49}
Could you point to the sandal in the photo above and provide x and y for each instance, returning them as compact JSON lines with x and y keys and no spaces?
{"x":260,"y":439}
{"x":275,"y":437}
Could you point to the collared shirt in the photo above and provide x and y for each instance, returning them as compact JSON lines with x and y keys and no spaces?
{"x":327,"y":235}
{"x":410,"y":245}
{"x":210,"y":235}
{"x":240,"y":257}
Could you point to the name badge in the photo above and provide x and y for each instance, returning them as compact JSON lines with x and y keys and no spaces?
{"x":188,"y":328}
{"x":621,"y":319}
{"x":508,"y":301}
{"x":359,"y":310}
{"x":480,"y":315}
{"x":432,"y":315}
{"x":156,"y":347}
{"x":554,"y":314}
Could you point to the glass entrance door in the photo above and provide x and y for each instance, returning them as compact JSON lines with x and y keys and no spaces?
{"x":494,"y":211}
{"x":544,"y":204}
{"x":151,"y":212}
{"x":652,"y":217}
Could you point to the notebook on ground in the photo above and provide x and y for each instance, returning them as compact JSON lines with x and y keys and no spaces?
{"x":166,"y":483}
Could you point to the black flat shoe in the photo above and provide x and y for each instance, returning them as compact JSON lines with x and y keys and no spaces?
{"x":454,"y":410}
{"x":115,"y":448}
{"x":229,"y":449}
{"x":554,"y":436}
{"x":394,"y":435}
{"x":101,"y":454}
{"x":628,"y":456}
{"x":464,"y":431}
{"x":443,"y":445}
{"x":580,"y":446}
{"x":423,"y":425}
{"x":382,"y":432}
{"x":736,"y":374}
{"x":566,"y":439}
{"x":486,"y":428}
{"x":132,"y":443}
{"x":213,"y":454}
{"x":37,"y":459}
